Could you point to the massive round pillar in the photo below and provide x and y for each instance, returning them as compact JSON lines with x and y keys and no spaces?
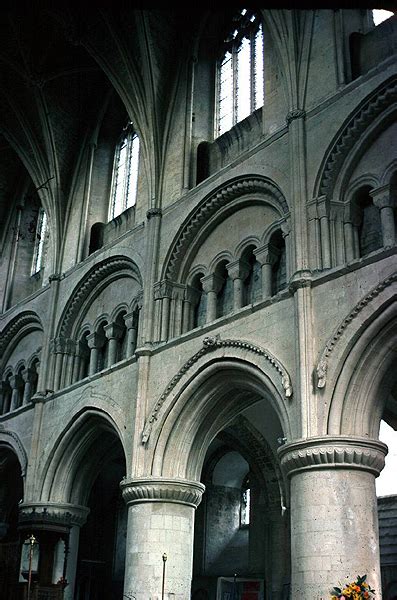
{"x":334,"y":520}
{"x":159,"y":548}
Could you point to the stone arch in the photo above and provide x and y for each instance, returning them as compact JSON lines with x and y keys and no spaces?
{"x":357,"y":360}
{"x":372,"y":115}
{"x":97,"y":278}
{"x":213,"y":207}
{"x":10,"y":440}
{"x":193,"y":408}
{"x":72,"y":467}
{"x":15,"y":330}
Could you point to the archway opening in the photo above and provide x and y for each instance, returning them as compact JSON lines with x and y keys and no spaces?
{"x":101,"y":552}
{"x":11,"y":493}
{"x":241,"y":539}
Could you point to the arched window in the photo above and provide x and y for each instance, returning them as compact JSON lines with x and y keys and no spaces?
{"x":224,"y":297}
{"x":125,"y":172}
{"x":199,"y":302}
{"x":368,"y":222}
{"x":379,"y":15}
{"x":240,"y":71}
{"x":245,"y":503}
{"x":38,"y":252}
{"x":252,"y":290}
{"x":279,"y":266}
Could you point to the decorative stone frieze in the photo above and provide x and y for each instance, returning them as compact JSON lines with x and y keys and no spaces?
{"x":51,"y":515}
{"x":210,"y":344}
{"x":322,"y":365}
{"x":162,"y":489}
{"x":333,"y":452}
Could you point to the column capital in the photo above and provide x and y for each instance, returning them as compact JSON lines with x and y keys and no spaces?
{"x":16,"y":382}
{"x":211,"y":283}
{"x":163,"y":289}
{"x":130,"y":320}
{"x":29,"y":375}
{"x":382,"y":198}
{"x":238,"y":269}
{"x":162,"y":489}
{"x":266,"y":254}
{"x":95,"y":340}
{"x":113,"y":331}
{"x":51,"y":515}
{"x":328,"y":452}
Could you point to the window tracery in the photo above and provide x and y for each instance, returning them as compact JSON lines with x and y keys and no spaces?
{"x":125,"y":172}
{"x":240,"y":72}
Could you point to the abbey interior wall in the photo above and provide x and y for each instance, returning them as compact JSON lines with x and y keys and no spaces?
{"x":291,"y":362}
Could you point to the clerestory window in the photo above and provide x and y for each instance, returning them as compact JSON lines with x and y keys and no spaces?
{"x":240,"y":72}
{"x":380,"y":15}
{"x":245,"y":503}
{"x":41,"y":231}
{"x":125,"y":172}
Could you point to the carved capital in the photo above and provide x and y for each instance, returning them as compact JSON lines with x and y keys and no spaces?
{"x":382,"y":198}
{"x":300,"y":279}
{"x":95,"y":340}
{"x":130,"y":320}
{"x":163,"y":289}
{"x":16,"y":382}
{"x":162,"y":489}
{"x":211,"y":283}
{"x":51,"y":515}
{"x":333,"y":452}
{"x":192,"y":295}
{"x":29,"y":375}
{"x":297,"y":113}
{"x":267,"y":254}
{"x":238,"y":269}
{"x":113,"y":331}
{"x":153,"y":212}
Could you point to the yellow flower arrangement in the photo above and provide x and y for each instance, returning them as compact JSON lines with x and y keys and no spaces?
{"x":356,"y":590}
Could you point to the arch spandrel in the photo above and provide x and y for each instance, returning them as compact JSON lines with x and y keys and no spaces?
{"x":212,"y":388}
{"x":356,"y":365}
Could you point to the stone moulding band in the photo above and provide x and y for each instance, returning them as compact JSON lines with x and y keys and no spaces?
{"x":333,"y":452}
{"x":162,"y":489}
{"x":53,"y":513}
{"x":210,"y":344}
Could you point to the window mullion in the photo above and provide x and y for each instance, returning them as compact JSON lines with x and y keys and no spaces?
{"x":235,"y":82}
{"x":252,"y":69}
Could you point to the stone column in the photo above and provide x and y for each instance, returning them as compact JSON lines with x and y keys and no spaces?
{"x":113,"y":333}
{"x":160,"y":521}
{"x":130,"y":321}
{"x":50,"y":521}
{"x":191,"y":299}
{"x":28,"y":376}
{"x":323,"y":214}
{"x":16,"y":383}
{"x":211,"y":286}
{"x":266,"y":256}
{"x":386,"y":204}
{"x":350,"y":251}
{"x":94,"y":341}
{"x":334,"y":519}
{"x":238,"y":271}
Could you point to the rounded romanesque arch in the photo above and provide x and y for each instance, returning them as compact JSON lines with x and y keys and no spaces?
{"x":374,"y":113}
{"x":215,"y":207}
{"x":356,"y":370}
{"x":23,"y":324}
{"x":75,"y":461}
{"x":97,"y":278}
{"x":209,"y":391}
